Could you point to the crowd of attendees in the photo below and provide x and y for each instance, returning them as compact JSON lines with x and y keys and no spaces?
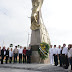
{"x":58,"y":55}
{"x":61,"y":55}
{"x":23,"y":54}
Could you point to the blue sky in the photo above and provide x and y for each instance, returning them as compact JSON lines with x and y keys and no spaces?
{"x":15,"y":24}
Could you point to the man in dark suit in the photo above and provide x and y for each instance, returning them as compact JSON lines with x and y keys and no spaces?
{"x":28,"y":54}
{"x":7,"y":55}
{"x":2,"y":55}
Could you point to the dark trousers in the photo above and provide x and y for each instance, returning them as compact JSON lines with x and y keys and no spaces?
{"x":71,"y":63}
{"x":20,"y":58}
{"x":65,"y":61}
{"x":2,"y":59}
{"x":55,"y":59}
{"x":10,"y":60}
{"x":28,"y":59}
{"x":7,"y":59}
{"x":15,"y":58}
{"x":60,"y":59}
{"x":24,"y":58}
{"x":71,"y":67}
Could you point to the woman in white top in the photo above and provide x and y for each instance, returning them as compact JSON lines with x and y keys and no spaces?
{"x":10,"y":55}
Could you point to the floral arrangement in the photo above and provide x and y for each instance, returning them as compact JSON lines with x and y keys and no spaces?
{"x":43,"y":50}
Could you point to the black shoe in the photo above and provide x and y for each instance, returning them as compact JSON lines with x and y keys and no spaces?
{"x":55,"y":65}
{"x":66,"y":67}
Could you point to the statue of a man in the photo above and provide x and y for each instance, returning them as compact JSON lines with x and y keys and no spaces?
{"x":36,"y":7}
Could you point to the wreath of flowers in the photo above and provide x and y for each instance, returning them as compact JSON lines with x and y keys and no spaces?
{"x":43,"y":50}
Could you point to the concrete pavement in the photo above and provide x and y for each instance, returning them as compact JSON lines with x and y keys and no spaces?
{"x":31,"y":68}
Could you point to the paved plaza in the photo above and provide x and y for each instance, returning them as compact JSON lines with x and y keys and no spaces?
{"x":31,"y":68}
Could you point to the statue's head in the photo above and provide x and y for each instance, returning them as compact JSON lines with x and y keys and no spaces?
{"x":37,"y":3}
{"x":34,"y":2}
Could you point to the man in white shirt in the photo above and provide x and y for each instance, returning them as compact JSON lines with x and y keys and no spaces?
{"x":51,"y":55}
{"x":20,"y":54}
{"x":55,"y":53}
{"x":59,"y":54}
{"x":10,"y":55}
{"x":64,"y":56}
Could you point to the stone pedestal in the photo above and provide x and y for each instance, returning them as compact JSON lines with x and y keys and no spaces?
{"x":38,"y":36}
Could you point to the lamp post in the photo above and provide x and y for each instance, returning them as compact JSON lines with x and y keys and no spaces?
{"x":28,"y":35}
{"x":28,"y":40}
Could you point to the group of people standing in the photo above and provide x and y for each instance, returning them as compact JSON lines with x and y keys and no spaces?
{"x":61,"y":55}
{"x":21,"y":53}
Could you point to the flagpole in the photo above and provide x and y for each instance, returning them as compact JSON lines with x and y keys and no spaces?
{"x":28,"y":40}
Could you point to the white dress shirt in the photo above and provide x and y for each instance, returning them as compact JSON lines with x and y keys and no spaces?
{"x":55,"y":51}
{"x":59,"y":50}
{"x":69,"y":55}
{"x":51,"y":51}
{"x":70,"y":51}
{"x":10,"y":53}
{"x":20,"y":51}
{"x":5,"y":52}
{"x":65,"y":51}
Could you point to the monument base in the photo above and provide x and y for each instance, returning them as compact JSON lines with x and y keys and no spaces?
{"x":35,"y":58}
